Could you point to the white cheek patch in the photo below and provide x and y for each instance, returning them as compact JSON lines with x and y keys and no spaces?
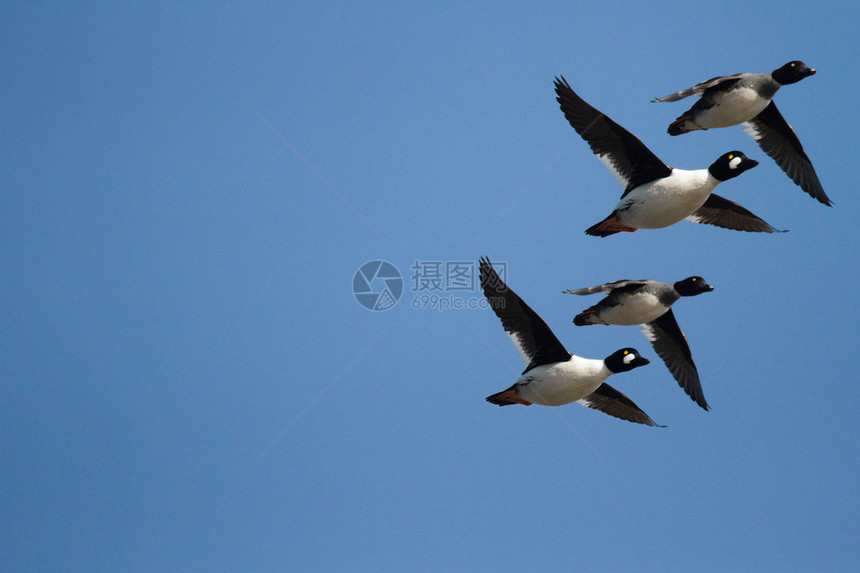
{"x":733,"y":164}
{"x":628,"y":359}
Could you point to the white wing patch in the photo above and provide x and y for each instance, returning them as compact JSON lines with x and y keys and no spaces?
{"x":515,"y":338}
{"x":606,"y":159}
{"x":751,"y":130}
{"x":646,"y":329}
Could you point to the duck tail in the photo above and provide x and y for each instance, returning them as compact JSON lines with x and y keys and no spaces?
{"x":586,"y":317}
{"x":507,"y":398}
{"x":608,"y":226}
{"x":683,"y":124}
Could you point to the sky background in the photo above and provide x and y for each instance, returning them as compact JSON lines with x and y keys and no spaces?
{"x":188,"y":382}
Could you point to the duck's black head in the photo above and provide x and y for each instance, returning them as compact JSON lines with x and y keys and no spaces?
{"x":692,"y":286}
{"x":730,"y":165}
{"x":625,"y":360}
{"x":792,"y":72}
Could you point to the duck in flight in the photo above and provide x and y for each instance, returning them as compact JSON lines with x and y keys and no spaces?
{"x":553,"y":376}
{"x":656,"y":195}
{"x":649,"y":303}
{"x":748,"y":99}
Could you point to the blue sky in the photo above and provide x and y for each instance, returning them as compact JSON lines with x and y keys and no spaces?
{"x":188,"y":382}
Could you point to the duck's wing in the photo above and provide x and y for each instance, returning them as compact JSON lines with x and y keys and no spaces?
{"x":724,"y":82}
{"x":776,"y":138}
{"x":671,"y":346}
{"x":626,"y":157}
{"x":607,"y":287}
{"x":721,"y":212}
{"x":610,"y":401}
{"x":530,"y":334}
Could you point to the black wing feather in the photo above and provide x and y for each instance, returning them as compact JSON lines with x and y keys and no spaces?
{"x":613,"y":144}
{"x":721,"y":212}
{"x":610,"y":401}
{"x":671,"y":346}
{"x":536,"y":339}
{"x":776,"y":138}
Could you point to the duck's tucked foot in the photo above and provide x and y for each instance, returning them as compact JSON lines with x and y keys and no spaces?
{"x":507,"y":398}
{"x":608,"y":226}
{"x":683,"y":124}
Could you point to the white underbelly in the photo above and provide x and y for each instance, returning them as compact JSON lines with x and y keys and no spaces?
{"x":733,"y":108}
{"x":563,"y":382}
{"x":667,"y":202}
{"x":636,"y":309}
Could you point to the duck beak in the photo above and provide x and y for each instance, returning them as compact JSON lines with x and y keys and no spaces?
{"x":748,"y":163}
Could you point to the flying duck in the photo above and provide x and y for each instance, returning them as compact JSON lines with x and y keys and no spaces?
{"x":649,"y":303}
{"x":656,"y":195}
{"x":748,"y":99}
{"x":553,"y":376}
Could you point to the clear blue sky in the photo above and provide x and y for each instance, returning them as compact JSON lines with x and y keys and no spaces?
{"x":188,"y":382}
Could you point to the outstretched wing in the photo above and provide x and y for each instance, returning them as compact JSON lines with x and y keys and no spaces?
{"x":721,"y":212}
{"x":530,"y":334}
{"x":776,"y":138}
{"x":626,"y":157}
{"x":724,"y":82}
{"x":605,"y":288}
{"x":671,"y":346}
{"x":610,"y":401}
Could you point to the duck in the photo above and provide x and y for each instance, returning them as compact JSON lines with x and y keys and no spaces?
{"x":553,"y":376}
{"x":747,"y":99}
{"x":649,"y":303}
{"x":656,"y":195}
